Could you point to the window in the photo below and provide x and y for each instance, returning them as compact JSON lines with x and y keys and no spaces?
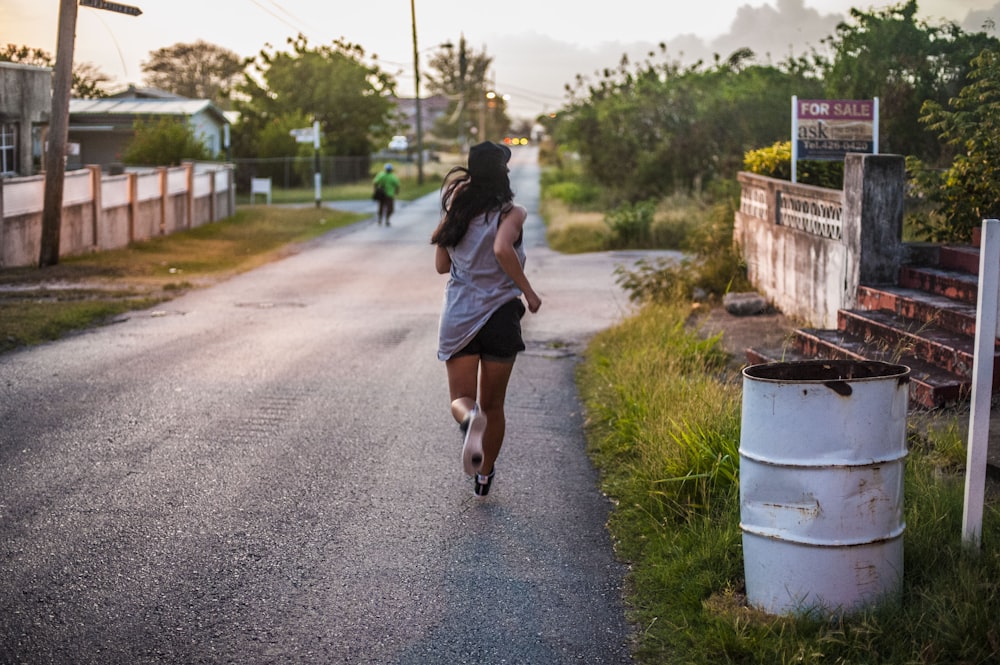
{"x":8,"y":148}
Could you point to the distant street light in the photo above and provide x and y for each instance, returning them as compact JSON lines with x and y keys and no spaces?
{"x":416,"y":91}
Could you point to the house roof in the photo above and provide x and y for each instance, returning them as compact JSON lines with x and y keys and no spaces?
{"x":143,"y":107}
{"x":132,"y":92}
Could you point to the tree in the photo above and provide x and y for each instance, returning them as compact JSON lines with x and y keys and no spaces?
{"x":331,"y":84}
{"x":460,"y":75}
{"x":969,"y":190}
{"x":88,"y":79}
{"x":198,"y":70}
{"x":657,"y":127}
{"x":891,"y":55}
{"x":163,"y":142}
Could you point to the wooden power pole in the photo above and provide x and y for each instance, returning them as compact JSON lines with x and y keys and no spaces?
{"x":58,"y":134}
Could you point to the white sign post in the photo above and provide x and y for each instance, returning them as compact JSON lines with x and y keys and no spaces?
{"x":311,"y":135}
{"x":987,"y":306}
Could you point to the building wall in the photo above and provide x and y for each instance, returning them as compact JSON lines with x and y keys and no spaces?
{"x":25,"y":99}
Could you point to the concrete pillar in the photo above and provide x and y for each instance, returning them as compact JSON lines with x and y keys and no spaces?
{"x":873,"y":218}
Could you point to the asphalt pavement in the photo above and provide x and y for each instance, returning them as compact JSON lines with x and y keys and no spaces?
{"x":265,"y":471}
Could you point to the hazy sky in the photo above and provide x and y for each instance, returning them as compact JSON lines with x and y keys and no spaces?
{"x":538,"y":46}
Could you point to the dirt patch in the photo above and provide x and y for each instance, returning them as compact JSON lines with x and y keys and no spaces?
{"x":771,"y":330}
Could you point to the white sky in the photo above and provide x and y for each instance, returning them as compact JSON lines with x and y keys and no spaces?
{"x":538,"y":46}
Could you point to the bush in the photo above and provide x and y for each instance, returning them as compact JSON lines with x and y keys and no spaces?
{"x":776,"y":162}
{"x":576,"y":194}
{"x":630,"y":224}
{"x":713,"y":267}
{"x":165,"y":142}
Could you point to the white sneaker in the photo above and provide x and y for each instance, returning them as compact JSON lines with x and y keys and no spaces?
{"x":472,"y":451}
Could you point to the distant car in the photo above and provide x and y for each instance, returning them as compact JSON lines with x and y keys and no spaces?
{"x":399,"y":144}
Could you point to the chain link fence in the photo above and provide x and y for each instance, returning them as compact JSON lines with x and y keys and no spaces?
{"x":297,"y":172}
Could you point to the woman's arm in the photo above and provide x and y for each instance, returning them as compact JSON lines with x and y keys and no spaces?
{"x":510,"y":229}
{"x":442,"y":260}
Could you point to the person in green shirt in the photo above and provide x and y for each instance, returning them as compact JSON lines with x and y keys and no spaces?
{"x":386,"y":188}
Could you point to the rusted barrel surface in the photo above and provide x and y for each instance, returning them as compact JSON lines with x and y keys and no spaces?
{"x":822,"y":447}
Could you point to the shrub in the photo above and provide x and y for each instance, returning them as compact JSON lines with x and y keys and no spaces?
{"x":630,"y":224}
{"x":164,"y":142}
{"x":776,"y":162}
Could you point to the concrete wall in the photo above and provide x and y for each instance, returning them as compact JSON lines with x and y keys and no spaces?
{"x":25,"y":99}
{"x":808,"y":249}
{"x":109,"y":212}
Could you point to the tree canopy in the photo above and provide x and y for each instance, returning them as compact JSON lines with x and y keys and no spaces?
{"x":198,"y":70}
{"x":88,"y":80}
{"x":645,"y":130}
{"x":331,"y":84}
{"x":969,"y":190}
{"x":889,"y":54}
{"x":460,"y":74}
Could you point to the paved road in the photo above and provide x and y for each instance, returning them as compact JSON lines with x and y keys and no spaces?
{"x":266,"y":472}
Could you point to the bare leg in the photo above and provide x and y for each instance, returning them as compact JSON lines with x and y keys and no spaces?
{"x":493,"y":379}
{"x":463,"y":375}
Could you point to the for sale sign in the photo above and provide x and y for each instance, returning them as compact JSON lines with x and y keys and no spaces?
{"x":831,"y":128}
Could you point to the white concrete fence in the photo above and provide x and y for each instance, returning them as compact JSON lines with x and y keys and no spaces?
{"x":808,"y":248}
{"x":102,"y":212}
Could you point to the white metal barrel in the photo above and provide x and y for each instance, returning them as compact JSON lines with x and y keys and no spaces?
{"x":822,"y":447}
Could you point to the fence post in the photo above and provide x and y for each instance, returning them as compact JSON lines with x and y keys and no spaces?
{"x":189,"y":170}
{"x":3,"y":222}
{"x":96,"y":207}
{"x":133,"y":204}
{"x":982,"y":383}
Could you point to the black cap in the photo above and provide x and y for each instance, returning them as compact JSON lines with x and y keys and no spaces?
{"x":488,"y":159}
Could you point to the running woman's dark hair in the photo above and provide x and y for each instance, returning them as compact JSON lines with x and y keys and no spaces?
{"x":483,"y":187}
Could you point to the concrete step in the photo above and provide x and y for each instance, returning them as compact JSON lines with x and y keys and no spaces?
{"x":953,"y":284}
{"x":930,"y":386}
{"x":954,"y":315}
{"x":894,"y":335}
{"x":961,"y":258}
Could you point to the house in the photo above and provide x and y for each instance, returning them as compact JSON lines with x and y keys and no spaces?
{"x":431,"y":108}
{"x":103,"y":127}
{"x":25,"y":108}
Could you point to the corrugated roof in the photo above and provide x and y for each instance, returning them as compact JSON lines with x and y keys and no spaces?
{"x":127,"y":106}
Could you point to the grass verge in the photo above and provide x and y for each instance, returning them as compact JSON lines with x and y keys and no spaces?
{"x":663,"y":416}
{"x":38,"y":305}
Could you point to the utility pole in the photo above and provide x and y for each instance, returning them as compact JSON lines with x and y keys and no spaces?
{"x":416,"y":88}
{"x":58,"y":134}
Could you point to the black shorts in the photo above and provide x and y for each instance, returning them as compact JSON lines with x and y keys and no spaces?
{"x":500,"y":339}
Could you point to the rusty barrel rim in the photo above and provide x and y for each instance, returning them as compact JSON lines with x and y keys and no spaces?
{"x":824,"y":371}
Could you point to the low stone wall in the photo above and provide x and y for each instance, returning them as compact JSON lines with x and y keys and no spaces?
{"x":807,"y":249}
{"x":108,"y":212}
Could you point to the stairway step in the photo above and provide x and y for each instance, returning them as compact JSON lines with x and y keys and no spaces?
{"x":898,"y":335}
{"x":962,"y":258}
{"x":930,"y":386}
{"x":953,"y":315}
{"x":948,"y":283}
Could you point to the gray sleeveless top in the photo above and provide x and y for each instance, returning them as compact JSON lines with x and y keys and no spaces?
{"x":477,"y":285}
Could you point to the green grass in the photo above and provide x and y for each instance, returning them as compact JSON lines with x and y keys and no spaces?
{"x":409,"y":188}
{"x":34,"y":319}
{"x":663,"y":428}
{"x":38,"y":305}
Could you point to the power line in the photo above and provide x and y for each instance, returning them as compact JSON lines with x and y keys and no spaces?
{"x":266,"y":10}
